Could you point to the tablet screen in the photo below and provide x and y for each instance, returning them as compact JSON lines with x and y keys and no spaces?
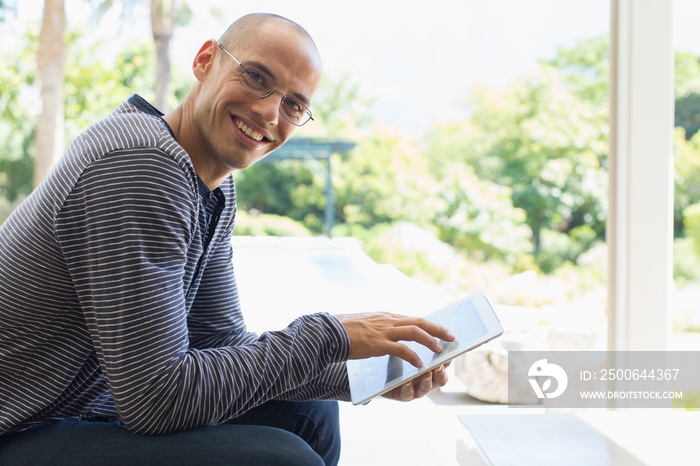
{"x":471,"y":320}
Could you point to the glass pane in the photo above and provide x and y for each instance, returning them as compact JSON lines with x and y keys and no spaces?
{"x":686,"y":245}
{"x":481,"y":151}
{"x":470,"y":154}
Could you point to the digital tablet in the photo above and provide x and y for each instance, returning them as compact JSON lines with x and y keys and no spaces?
{"x":472,"y":321}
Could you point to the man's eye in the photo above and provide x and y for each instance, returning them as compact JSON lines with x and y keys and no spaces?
{"x":293,"y":106}
{"x":256,"y":78}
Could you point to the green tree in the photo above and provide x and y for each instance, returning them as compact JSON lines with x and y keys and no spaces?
{"x":547,"y":146}
{"x":686,"y":139}
{"x":296,"y":188}
{"x":687,"y":176}
{"x":687,"y":114}
{"x":585,"y":68}
{"x":165,"y":16}
{"x":479,"y":216}
{"x":17,"y":125}
{"x":545,"y":138}
{"x":271,"y":187}
{"x":686,"y":75}
{"x":583,"y":71}
{"x":340,"y":109}
{"x":691,"y":216}
{"x":93,"y":90}
{"x":383,"y":180}
{"x":687,"y":92}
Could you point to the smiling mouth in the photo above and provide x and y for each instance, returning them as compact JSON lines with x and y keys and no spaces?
{"x":248,"y":131}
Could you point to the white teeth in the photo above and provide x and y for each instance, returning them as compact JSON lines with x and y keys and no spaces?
{"x":242,"y":126}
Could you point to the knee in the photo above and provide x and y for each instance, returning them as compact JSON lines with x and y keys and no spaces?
{"x":330,"y":413}
{"x":325,"y":415}
{"x":289,"y":450}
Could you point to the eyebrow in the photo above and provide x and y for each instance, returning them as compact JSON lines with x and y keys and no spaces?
{"x":261,"y":67}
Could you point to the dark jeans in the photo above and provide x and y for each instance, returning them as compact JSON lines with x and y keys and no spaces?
{"x":276,"y":433}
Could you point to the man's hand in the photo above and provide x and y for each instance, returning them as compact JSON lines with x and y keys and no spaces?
{"x":379,"y":334}
{"x":420,"y":386}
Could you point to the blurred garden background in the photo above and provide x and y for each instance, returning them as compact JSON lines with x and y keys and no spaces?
{"x":506,"y":192}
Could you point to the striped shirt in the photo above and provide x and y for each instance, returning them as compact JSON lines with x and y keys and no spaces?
{"x":111,"y":306}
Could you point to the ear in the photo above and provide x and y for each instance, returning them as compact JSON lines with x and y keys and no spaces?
{"x":204,"y":59}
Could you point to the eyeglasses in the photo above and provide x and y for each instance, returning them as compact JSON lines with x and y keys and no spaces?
{"x":258,"y":83}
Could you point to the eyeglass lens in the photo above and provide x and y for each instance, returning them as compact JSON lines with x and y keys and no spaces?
{"x":260,"y":84}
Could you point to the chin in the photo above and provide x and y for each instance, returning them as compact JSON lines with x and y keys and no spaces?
{"x":243,"y":164}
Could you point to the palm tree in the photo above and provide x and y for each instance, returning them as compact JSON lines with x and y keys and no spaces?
{"x":49,"y":133}
{"x":165,"y":15}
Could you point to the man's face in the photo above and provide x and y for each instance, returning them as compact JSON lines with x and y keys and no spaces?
{"x":239,"y":128}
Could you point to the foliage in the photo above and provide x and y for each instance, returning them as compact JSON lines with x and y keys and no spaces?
{"x":558,"y":248}
{"x":267,"y":225}
{"x":273,"y":188}
{"x":687,"y":176}
{"x":522,"y":179}
{"x":585,"y":68}
{"x":691,"y":398}
{"x":581,"y":279}
{"x":18,"y":109}
{"x":380,"y":181}
{"x":545,"y":138}
{"x":687,"y":92}
{"x":547,"y":145}
{"x":532,"y":156}
{"x":383,"y":180}
{"x":296,"y":188}
{"x":381,"y":246}
{"x":687,"y":74}
{"x":691,"y":221}
{"x":478,"y":216}
{"x":686,"y":263}
{"x":93,"y":89}
{"x":339,"y":108}
{"x":687,"y":114}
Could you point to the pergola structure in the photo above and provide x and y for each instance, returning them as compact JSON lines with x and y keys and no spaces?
{"x":316,"y":151}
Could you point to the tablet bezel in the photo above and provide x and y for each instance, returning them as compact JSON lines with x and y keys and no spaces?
{"x":487,"y":316}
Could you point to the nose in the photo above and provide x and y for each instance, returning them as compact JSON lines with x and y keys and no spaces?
{"x":269,"y":107}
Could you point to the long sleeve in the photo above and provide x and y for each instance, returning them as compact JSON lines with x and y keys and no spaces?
{"x":128,"y":234}
{"x":216,"y":319}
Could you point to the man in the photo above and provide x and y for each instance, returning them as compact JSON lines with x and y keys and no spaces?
{"x":119,"y":311}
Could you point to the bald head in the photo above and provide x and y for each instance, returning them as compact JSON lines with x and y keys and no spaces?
{"x":243,"y":32}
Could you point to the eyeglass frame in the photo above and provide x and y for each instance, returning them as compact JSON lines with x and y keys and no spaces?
{"x":271,"y":91}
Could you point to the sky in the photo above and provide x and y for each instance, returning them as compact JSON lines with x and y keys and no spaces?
{"x":391,"y":47}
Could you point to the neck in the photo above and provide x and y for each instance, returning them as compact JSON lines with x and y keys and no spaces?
{"x":181,"y":121}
